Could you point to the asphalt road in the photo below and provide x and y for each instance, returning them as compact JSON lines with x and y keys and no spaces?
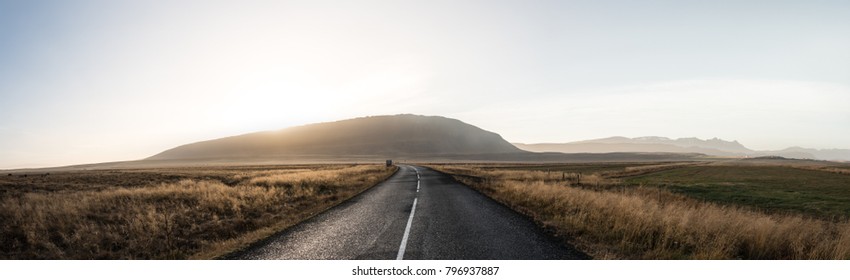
{"x":417,"y":213}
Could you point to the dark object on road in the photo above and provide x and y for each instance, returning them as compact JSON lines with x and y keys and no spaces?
{"x":389,"y":162}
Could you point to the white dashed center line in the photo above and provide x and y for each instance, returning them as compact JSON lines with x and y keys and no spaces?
{"x":409,"y":221}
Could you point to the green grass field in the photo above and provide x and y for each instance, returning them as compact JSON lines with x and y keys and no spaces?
{"x":816,"y":189}
{"x":768,"y":188}
{"x":586,"y":168}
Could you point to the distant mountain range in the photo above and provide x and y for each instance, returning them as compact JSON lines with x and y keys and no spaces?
{"x":434,"y":137}
{"x":654,"y":144}
{"x":403,"y":137}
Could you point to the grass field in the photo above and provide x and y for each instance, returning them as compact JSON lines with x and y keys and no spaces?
{"x":748,"y":209}
{"x":181,"y":213}
{"x":587,"y":168}
{"x":698,"y":210}
{"x":774,"y":189}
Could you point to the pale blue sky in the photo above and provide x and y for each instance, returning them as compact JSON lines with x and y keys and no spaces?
{"x":94,"y":81}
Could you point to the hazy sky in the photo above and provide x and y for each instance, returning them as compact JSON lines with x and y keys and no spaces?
{"x":94,"y":81}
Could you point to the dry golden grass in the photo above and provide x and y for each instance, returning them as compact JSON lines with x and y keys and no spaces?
{"x":651,"y":223}
{"x":193,"y":217}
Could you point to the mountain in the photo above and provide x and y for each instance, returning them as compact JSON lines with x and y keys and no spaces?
{"x":655,"y":144}
{"x":368,"y":139}
{"x":824,"y":154}
{"x":649,"y":144}
{"x":695,"y":143}
{"x":387,"y":136}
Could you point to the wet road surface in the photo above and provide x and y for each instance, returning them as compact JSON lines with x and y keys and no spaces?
{"x":417,"y":213}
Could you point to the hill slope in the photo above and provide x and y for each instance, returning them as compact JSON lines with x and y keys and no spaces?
{"x":368,"y":136}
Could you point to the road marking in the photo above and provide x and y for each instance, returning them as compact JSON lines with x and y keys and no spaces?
{"x":406,"y":232}
{"x":417,"y":178}
{"x":409,"y":221}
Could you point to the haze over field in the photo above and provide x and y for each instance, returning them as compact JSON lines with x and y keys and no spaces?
{"x":96,"y":81}
{"x":654,"y":144}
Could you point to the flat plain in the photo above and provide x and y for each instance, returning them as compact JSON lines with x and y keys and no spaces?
{"x":174,"y":213}
{"x":707,"y":209}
